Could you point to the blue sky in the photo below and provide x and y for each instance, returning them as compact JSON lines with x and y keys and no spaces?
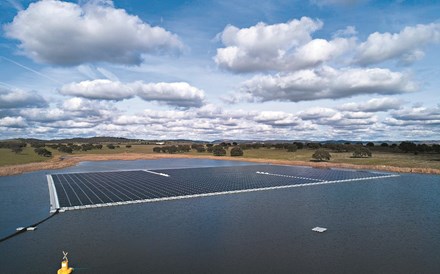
{"x":318,"y":69}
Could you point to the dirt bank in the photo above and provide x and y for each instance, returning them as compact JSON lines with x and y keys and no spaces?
{"x":59,"y":163}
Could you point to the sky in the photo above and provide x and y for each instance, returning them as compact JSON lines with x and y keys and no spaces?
{"x":360,"y":70}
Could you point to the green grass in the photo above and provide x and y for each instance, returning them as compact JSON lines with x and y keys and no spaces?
{"x":7,"y":157}
{"x":379,"y":158}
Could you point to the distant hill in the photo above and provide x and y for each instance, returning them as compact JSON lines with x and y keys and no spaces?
{"x":108,"y":139}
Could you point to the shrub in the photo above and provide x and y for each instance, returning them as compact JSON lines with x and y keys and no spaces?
{"x":361,"y":152}
{"x":218,"y":151}
{"x":321,"y":155}
{"x":236,"y":151}
{"x":292,"y":148}
{"x":43,"y":152}
{"x":111,"y":146}
{"x":65,"y":149}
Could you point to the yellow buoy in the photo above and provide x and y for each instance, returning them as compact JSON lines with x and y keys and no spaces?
{"x":65,"y":269}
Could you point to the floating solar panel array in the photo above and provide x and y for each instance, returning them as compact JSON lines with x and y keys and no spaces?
{"x":96,"y":189}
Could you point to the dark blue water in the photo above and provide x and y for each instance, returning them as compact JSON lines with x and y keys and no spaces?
{"x":378,"y":226}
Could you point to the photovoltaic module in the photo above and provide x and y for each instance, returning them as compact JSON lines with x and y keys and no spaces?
{"x":71,"y":191}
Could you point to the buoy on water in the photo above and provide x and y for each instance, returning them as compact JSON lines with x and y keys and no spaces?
{"x":65,"y":269}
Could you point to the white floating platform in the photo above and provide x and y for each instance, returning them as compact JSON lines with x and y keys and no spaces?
{"x":31,"y":228}
{"x":319,"y":229}
{"x":19,"y":228}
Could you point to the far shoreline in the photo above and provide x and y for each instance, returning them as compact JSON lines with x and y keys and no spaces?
{"x":64,"y":162}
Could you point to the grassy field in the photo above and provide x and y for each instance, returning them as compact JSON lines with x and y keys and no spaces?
{"x":7,"y":157}
{"x":379,"y":158}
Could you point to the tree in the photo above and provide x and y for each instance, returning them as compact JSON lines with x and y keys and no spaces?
{"x":361,"y":152}
{"x":408,"y":147}
{"x":313,"y":145}
{"x":200,"y":149}
{"x":292,"y":148}
{"x":299,"y":145}
{"x":128,"y":146}
{"x":157,"y":149}
{"x":236,"y":151}
{"x":111,"y":146}
{"x":38,"y":144}
{"x":43,"y":152}
{"x":384,"y":145}
{"x":85,"y":147}
{"x":16,"y":149}
{"x":218,"y":151}
{"x":65,"y":149}
{"x":321,"y":155}
{"x":370,"y":144}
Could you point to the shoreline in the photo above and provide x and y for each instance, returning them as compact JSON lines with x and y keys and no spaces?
{"x":59,"y":163}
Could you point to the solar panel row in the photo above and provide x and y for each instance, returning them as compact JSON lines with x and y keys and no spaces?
{"x":97,"y":188}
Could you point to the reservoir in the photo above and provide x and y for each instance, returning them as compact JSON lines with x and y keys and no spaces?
{"x":389,"y":225}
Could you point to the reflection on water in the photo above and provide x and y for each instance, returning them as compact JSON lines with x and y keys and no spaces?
{"x":389,"y":226}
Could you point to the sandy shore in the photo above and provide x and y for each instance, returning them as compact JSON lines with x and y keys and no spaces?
{"x":59,"y":163}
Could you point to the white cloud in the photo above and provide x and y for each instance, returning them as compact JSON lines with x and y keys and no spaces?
{"x":45,"y":115}
{"x":324,"y":83}
{"x":64,"y":33}
{"x":20,"y":99}
{"x":178,"y":94}
{"x":277,"y":118}
{"x":315,"y":113}
{"x":175,"y":94}
{"x":269,"y":47}
{"x":418,"y":114}
{"x":347,"y":32}
{"x":374,"y":105}
{"x":13,"y":122}
{"x":405,"y":45}
{"x":102,"y":89}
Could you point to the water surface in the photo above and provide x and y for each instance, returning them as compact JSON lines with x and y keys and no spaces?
{"x":377,"y":226}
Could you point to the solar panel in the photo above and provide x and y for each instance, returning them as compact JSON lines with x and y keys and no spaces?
{"x":95,"y":189}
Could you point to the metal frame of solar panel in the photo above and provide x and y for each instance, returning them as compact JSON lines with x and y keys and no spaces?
{"x":96,"y":189}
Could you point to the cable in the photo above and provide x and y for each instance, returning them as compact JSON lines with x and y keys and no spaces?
{"x":25,"y":228}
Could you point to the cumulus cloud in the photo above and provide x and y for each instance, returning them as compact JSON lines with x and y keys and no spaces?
{"x":406,"y":46}
{"x":284,"y":46}
{"x":277,"y":118}
{"x":20,"y":99}
{"x":418,"y":114}
{"x":93,"y":32}
{"x":374,"y":105}
{"x":315,"y":113}
{"x":13,"y":122}
{"x":179,"y":94}
{"x":102,"y":89}
{"x":324,"y":83}
{"x":78,"y":109}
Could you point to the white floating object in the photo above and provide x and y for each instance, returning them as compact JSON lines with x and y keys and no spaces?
{"x":319,"y":229}
{"x":19,"y":228}
{"x":31,"y":228}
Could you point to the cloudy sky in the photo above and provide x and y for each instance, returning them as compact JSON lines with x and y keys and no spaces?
{"x":213,"y":69}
